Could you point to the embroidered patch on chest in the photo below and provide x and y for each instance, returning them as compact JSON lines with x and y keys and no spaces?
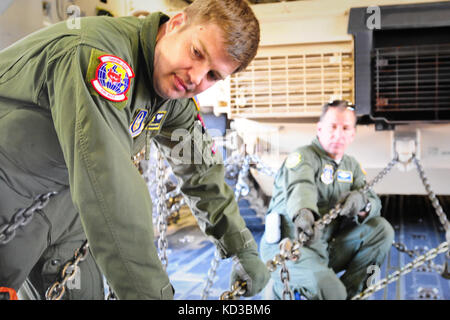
{"x":112,"y":78}
{"x":155,"y":123}
{"x":344,"y":176}
{"x":327,"y":174}
{"x":137,"y":125}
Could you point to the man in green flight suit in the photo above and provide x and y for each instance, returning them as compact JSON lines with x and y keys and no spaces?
{"x":311,"y":181}
{"x":76,"y":105}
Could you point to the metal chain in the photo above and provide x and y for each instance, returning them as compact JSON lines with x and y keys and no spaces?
{"x":22,"y":217}
{"x":162,"y":212}
{"x":285,"y":278}
{"x":242,"y":188}
{"x":69,"y":271}
{"x":177,"y":206}
{"x":381,"y":174}
{"x":237,"y":290}
{"x":211,"y":275}
{"x":401,"y":247}
{"x":431,"y":195}
{"x":429,"y":255}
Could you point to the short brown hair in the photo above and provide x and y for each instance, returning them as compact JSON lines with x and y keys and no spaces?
{"x":342,"y":105}
{"x":237,"y":21}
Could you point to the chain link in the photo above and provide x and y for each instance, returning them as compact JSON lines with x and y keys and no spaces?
{"x":211,"y":275}
{"x":162,"y":211}
{"x":285,"y":277}
{"x":58,"y":289}
{"x":429,"y":255}
{"x":22,"y":217}
{"x":237,"y":289}
{"x":431,"y":195}
{"x":401,"y":247}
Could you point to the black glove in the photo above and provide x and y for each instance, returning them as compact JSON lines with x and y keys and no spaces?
{"x":353,"y":203}
{"x":304,"y":222}
{"x":248,"y":267}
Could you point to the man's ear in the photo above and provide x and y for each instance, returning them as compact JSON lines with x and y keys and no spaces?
{"x":176,"y":22}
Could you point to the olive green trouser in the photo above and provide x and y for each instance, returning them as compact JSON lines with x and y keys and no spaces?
{"x":40,"y":249}
{"x":353,"y":249}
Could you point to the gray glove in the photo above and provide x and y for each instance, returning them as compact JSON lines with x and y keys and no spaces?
{"x":353,"y":203}
{"x":248,"y":267}
{"x":304,"y":222}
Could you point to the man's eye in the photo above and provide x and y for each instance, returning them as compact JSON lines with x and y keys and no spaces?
{"x":196,"y":52}
{"x":213,"y":76}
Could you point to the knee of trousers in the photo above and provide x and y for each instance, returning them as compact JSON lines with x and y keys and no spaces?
{"x":329,"y":286}
{"x":383,"y":233}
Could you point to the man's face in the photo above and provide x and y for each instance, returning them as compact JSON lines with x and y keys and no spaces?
{"x":189,"y":60}
{"x":336,"y":131}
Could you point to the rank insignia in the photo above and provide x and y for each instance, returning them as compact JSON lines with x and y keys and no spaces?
{"x":137,"y":125}
{"x":293,"y":160}
{"x":156,"y":121}
{"x":112,"y":78}
{"x":344,"y":176}
{"x":327,"y":174}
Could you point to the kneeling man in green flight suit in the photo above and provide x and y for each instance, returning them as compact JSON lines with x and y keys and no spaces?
{"x":311,"y":181}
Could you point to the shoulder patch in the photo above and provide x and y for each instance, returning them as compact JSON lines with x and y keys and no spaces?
{"x":197,"y":104}
{"x":362,"y":169}
{"x":112,"y":78}
{"x":293,"y":160}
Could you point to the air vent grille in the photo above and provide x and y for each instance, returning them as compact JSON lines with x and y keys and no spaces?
{"x":411,"y":82}
{"x":294,"y":85}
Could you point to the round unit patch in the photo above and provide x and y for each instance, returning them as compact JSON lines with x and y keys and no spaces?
{"x":293,"y":160}
{"x":112,"y":78}
{"x":327,"y":174}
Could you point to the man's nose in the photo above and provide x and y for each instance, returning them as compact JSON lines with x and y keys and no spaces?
{"x":198,"y":73}
{"x":338,"y":132}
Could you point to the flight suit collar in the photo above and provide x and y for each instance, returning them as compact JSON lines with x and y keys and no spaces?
{"x":148,"y":35}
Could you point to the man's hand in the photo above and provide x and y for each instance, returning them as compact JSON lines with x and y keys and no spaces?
{"x":353,"y":203}
{"x":304,"y":222}
{"x":248,"y":267}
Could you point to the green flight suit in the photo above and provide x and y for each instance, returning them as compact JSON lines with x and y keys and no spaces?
{"x":310,"y":179}
{"x":59,"y":133}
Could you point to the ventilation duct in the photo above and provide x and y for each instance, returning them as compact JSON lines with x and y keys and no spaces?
{"x":402,"y":65}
